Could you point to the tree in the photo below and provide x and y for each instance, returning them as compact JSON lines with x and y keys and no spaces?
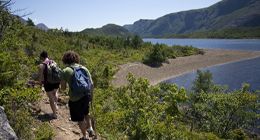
{"x":223,"y":111}
{"x":30,"y":22}
{"x":7,"y":16}
{"x":155,"y":56}
{"x":213,"y":108}
{"x":137,"y":41}
{"x":201,"y":85}
{"x":148,"y":111}
{"x":202,"y":82}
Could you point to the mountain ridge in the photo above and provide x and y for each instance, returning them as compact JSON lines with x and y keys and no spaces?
{"x":109,"y":30}
{"x":222,"y":15}
{"x":40,"y":25}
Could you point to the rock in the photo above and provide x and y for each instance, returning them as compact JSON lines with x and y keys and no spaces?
{"x":6,"y":131}
{"x":63,"y":100}
{"x":76,"y":132}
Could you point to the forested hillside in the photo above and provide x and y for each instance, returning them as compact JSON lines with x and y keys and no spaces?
{"x":222,"y":15}
{"x":229,"y":33}
{"x":109,"y":30}
{"x":134,"y":111}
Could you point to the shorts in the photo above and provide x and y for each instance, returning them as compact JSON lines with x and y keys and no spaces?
{"x":79,"y":108}
{"x":51,"y":87}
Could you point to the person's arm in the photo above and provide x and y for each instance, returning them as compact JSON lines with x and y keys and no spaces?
{"x":41,"y":68}
{"x":63,"y":85}
{"x":92,"y":90}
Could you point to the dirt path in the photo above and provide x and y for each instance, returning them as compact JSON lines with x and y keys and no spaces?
{"x":62,"y":126}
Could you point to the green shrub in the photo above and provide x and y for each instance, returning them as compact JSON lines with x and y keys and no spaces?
{"x":210,"y":136}
{"x":156,"y":56}
{"x":239,"y":134}
{"x":213,"y":106}
{"x":18,"y":112}
{"x":44,"y":132}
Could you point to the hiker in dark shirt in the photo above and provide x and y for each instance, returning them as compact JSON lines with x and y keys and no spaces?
{"x":51,"y":89}
{"x":79,"y":105}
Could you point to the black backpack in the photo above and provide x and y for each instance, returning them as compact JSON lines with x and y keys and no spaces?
{"x":53,"y":72}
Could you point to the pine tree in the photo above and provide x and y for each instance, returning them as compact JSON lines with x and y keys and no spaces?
{"x":30,"y":22}
{"x":202,"y":81}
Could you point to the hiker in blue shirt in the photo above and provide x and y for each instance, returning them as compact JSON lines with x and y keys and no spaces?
{"x":79,"y":105}
{"x":50,"y":89}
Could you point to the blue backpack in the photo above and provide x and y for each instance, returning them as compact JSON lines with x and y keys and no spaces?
{"x":80,"y":81}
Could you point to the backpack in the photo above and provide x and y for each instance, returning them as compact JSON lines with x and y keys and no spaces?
{"x":53,"y":72}
{"x":80,"y":81}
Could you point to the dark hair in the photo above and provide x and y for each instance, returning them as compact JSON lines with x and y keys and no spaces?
{"x":44,"y":54}
{"x":70,"y":57}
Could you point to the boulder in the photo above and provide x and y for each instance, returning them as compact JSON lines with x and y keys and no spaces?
{"x":6,"y":131}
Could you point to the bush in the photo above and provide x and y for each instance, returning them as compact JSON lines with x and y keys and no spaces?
{"x":44,"y":132}
{"x":19,"y":114}
{"x":239,"y":134}
{"x":156,"y":56}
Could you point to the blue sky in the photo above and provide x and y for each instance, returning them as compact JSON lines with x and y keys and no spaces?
{"x":81,"y":14}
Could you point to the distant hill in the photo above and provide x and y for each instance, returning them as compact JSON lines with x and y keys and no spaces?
{"x":40,"y":25}
{"x":222,"y":15}
{"x":22,"y":20}
{"x":109,"y":30}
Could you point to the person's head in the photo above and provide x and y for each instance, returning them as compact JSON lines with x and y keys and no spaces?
{"x":70,"y":57}
{"x":44,"y":55}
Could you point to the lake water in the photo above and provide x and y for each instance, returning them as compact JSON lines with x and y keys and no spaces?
{"x":232,"y":74}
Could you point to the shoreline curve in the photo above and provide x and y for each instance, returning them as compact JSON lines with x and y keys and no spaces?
{"x":181,"y":65}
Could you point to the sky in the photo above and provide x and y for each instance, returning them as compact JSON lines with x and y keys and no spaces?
{"x":78,"y":15}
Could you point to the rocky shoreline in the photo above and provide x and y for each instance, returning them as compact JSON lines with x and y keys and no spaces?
{"x":181,"y":65}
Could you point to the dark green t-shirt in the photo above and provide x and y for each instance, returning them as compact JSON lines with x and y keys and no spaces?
{"x":66,"y":75}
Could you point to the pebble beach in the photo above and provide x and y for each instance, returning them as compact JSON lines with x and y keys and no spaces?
{"x":181,"y":65}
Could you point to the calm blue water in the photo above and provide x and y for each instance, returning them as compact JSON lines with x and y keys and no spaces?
{"x":230,"y":44}
{"x":232,"y":74}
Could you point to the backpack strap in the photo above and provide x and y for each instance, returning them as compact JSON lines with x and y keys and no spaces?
{"x":47,"y":62}
{"x":74,"y":66}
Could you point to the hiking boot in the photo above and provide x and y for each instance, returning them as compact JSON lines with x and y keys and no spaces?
{"x":83,"y":138}
{"x":53,"y":116}
{"x":91,"y":133}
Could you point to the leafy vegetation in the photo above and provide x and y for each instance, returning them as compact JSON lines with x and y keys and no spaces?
{"x":215,"y":109}
{"x":134,"y":111}
{"x":160,"y":53}
{"x":30,"y":22}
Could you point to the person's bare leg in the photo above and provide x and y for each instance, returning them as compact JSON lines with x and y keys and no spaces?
{"x":82,"y":127}
{"x":55,"y":97}
{"x":88,"y":120}
{"x":52,"y":101}
{"x":90,"y":129}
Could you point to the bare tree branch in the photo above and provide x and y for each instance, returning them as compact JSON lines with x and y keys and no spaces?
{"x":20,"y":10}
{"x":6,"y":15}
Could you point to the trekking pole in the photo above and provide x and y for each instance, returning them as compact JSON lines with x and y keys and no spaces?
{"x":94,"y":119}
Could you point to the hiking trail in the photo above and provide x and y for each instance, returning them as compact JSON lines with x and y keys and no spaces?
{"x":62,"y":126}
